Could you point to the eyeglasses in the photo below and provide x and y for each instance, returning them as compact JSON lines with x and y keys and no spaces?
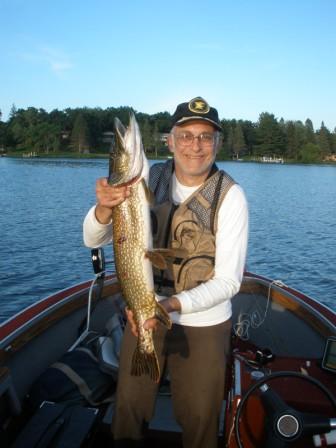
{"x":206,"y":139}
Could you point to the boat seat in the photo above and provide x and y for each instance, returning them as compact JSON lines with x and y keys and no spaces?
{"x":109,"y":345}
{"x":7,"y":391}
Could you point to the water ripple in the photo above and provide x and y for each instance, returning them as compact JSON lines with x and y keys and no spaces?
{"x":43,"y":203}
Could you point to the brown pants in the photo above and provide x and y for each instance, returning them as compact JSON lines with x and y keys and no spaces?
{"x":196,"y":361}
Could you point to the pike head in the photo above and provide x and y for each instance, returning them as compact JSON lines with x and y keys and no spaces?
{"x":127,"y":156}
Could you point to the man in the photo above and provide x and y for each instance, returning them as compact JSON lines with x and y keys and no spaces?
{"x":204,"y":212}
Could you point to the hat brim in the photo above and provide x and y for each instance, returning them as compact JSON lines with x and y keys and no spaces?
{"x":197,"y":118}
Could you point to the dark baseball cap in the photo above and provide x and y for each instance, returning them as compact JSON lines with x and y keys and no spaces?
{"x":196,"y":109}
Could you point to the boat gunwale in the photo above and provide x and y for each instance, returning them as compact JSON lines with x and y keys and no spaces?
{"x":16,"y":332}
{"x":320,"y":310}
{"x":13,"y":331}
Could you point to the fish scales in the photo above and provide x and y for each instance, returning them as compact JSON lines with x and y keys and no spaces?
{"x":129,"y":253}
{"x":132,"y":240}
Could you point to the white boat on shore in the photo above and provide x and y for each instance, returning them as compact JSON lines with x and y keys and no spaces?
{"x":271,"y":159}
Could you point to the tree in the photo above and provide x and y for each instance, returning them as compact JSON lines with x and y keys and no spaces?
{"x":2,"y":133}
{"x":333,"y":142}
{"x":156,"y":138}
{"x":147,"y":135}
{"x":250,"y":134}
{"x":324,"y":140}
{"x":239,"y":144}
{"x":270,"y":136}
{"x":310,"y":153}
{"x":228,"y":145}
{"x":310,"y":134}
{"x":13,"y":111}
{"x":80,"y":134}
{"x":296,"y":138}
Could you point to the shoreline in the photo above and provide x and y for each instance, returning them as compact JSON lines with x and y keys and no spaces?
{"x":74,"y":156}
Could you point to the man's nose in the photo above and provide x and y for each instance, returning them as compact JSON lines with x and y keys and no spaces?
{"x":196,"y":145}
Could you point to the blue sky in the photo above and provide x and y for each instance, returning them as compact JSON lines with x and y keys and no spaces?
{"x":245,"y":56}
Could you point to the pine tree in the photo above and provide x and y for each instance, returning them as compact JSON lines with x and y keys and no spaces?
{"x":310,"y":134}
{"x":271,"y":138}
{"x":239,"y":144}
{"x":324,"y":140}
{"x":13,"y":111}
{"x":228,"y":145}
{"x":147,"y":137}
{"x":80,"y":134}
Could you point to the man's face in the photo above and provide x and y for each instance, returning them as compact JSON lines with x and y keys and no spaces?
{"x":193,"y":156}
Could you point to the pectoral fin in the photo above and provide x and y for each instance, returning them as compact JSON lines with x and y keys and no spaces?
{"x":161,"y":257}
{"x":157,"y":259}
{"x":162,"y":315}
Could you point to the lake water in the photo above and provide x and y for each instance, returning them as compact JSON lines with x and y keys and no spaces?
{"x":43,"y":203}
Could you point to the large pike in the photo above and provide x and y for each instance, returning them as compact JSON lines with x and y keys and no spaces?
{"x":132,"y":241}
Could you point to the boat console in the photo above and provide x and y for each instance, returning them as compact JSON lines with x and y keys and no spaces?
{"x":272,"y":397}
{"x":329,"y":356}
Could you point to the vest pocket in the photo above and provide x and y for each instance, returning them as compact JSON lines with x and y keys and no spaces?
{"x":193,"y":271}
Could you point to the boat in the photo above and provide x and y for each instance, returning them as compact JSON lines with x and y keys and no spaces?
{"x":271,"y":159}
{"x":281,"y":377}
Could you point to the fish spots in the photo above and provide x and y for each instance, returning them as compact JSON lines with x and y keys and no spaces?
{"x":124,"y":275}
{"x":122,"y":239}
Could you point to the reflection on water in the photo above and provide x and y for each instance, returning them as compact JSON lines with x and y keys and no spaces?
{"x":44,"y":201}
{"x":61,"y":163}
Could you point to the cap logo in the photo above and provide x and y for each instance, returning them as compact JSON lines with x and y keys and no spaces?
{"x":199,"y":106}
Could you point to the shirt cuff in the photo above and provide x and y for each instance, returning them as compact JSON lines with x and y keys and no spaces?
{"x":94,"y":220}
{"x":185,"y":301}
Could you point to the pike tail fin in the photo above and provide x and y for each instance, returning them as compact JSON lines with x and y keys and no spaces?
{"x":145,"y":363}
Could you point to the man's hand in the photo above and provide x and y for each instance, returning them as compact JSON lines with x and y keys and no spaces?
{"x":130,"y":318}
{"x":169,"y":304}
{"x":107,"y":198}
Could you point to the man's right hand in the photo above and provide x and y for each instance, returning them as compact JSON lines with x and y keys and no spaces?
{"x":107,"y":198}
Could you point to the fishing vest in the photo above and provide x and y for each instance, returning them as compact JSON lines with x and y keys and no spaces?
{"x":190,"y":226}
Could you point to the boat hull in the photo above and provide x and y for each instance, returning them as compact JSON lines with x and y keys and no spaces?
{"x":266,"y":316}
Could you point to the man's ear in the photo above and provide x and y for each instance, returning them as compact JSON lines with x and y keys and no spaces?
{"x":170,"y":142}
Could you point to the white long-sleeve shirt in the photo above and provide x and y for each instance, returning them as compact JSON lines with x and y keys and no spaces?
{"x":208,"y":303}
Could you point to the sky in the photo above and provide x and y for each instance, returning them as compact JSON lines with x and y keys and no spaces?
{"x":244,"y":57}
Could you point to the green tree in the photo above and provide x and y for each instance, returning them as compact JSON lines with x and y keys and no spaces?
{"x":310,"y":133}
{"x":239,"y":144}
{"x":228,"y":143}
{"x":324,"y":140}
{"x":156,"y":139}
{"x":80,"y":134}
{"x":250,"y":135}
{"x":296,"y":138}
{"x":2,"y":133}
{"x":147,"y":135}
{"x":333,"y":142}
{"x":271,"y":138}
{"x":310,"y":153}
